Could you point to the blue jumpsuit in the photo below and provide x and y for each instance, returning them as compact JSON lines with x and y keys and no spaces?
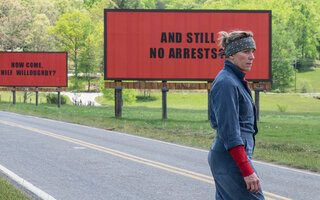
{"x":232,"y":114}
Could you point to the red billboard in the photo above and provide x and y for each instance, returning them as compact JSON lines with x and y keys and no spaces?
{"x":179,"y":44}
{"x":33,"y":69}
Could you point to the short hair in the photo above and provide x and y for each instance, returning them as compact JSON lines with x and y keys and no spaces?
{"x":226,"y":38}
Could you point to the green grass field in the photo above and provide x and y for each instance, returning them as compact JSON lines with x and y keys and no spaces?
{"x":8,"y":97}
{"x":308,"y":81}
{"x":31,"y":97}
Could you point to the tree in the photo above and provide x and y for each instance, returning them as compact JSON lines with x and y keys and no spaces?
{"x":90,"y":3}
{"x":183,"y":4}
{"x":42,"y":7}
{"x":283,"y":58}
{"x":14,"y":25}
{"x":304,"y":22}
{"x":38,"y":38}
{"x":88,"y":58}
{"x":67,"y":6}
{"x":306,"y":25}
{"x":72,"y":30}
{"x":96,"y":10}
{"x":135,"y":4}
{"x":148,"y":4}
{"x":283,"y":45}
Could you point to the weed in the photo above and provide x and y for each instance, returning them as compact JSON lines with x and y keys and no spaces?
{"x":282,"y":108}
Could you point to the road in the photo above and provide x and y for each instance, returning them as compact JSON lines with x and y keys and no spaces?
{"x":74,"y":162}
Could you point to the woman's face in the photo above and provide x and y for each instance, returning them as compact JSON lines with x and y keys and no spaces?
{"x":243,"y":59}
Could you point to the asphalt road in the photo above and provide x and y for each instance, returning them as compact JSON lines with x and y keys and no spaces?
{"x":74,"y":162}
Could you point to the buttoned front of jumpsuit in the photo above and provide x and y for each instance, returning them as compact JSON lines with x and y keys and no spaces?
{"x":232,"y":114}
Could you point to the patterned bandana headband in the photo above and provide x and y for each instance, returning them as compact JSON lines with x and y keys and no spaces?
{"x":239,"y":45}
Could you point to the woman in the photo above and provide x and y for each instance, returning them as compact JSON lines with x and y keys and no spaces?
{"x":232,"y":114}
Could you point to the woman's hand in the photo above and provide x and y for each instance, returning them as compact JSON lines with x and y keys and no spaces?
{"x":253,"y":183}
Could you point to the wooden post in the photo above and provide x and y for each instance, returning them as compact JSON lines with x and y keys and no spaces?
{"x":209,"y":101}
{"x":59,"y":98}
{"x":118,"y":101}
{"x":37,"y":96}
{"x":14,"y":95}
{"x":257,"y":91}
{"x":164,"y":102}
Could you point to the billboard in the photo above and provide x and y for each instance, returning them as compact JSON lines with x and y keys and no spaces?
{"x":179,"y":44}
{"x":33,"y":69}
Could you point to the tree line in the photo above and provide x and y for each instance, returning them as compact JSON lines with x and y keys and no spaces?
{"x":77,"y":27}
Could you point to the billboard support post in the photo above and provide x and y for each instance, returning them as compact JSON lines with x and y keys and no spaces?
{"x":257,"y":100}
{"x":164,"y":102}
{"x":59,"y":97}
{"x":14,"y":95}
{"x":37,"y":96}
{"x":208,"y":104}
{"x":209,"y":101}
{"x":118,"y":101}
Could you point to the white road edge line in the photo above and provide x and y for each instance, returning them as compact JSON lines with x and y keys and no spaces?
{"x":25,"y":184}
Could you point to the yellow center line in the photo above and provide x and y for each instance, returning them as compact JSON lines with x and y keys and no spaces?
{"x":163,"y":166}
{"x":276,"y":196}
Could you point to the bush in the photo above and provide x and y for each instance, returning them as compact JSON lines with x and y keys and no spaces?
{"x":128,"y":95}
{"x":146,"y":98}
{"x":277,"y":90}
{"x":53,"y":99}
{"x":305,"y":87}
{"x":304,"y":64}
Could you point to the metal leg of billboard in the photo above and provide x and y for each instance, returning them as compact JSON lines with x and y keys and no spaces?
{"x":164,"y":102}
{"x":14,"y":95}
{"x":208,"y":104}
{"x":37,"y":96}
{"x":257,"y":100}
{"x":209,"y":88}
{"x":118,"y":101}
{"x":59,"y":98}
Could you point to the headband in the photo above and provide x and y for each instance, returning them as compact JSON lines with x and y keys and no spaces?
{"x":239,"y":45}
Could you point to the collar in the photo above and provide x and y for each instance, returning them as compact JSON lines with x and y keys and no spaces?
{"x":238,"y":73}
{"x":231,"y":67}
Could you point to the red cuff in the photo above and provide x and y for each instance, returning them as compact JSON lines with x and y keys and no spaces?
{"x":240,"y":157}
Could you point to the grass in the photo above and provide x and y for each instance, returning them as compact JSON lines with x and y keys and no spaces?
{"x":290,"y":138}
{"x":8,"y":97}
{"x":308,"y":81}
{"x":31,"y":97}
{"x":295,"y":103}
{"x":8,"y":192}
{"x":175,"y":99}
